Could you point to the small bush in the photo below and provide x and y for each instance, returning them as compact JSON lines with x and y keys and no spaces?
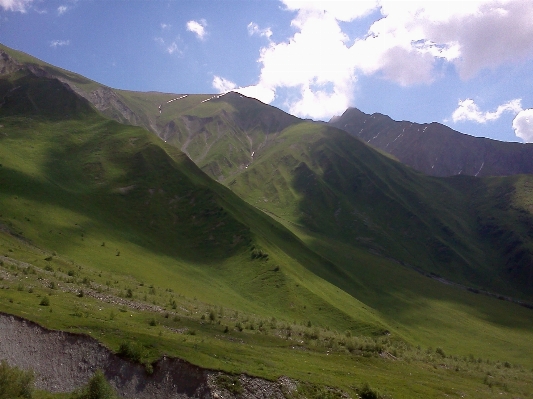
{"x":439,"y":351}
{"x":230,"y":383}
{"x":368,"y":393}
{"x":14,"y":382}
{"x":131,"y":350}
{"x":45,"y":301}
{"x":96,"y":388}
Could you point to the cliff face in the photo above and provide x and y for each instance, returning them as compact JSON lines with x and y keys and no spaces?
{"x":65,"y":361}
{"x":435,"y":149}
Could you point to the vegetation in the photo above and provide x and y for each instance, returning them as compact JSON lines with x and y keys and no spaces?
{"x":96,"y":388}
{"x":15,"y":383}
{"x":334,"y":290}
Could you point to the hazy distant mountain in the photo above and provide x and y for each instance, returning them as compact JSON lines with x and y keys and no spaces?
{"x":436,"y":149}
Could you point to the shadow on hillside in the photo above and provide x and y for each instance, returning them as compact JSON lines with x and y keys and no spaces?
{"x":392,"y":215}
{"x":142,"y":197}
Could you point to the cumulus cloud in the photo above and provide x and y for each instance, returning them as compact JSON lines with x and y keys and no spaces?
{"x":406,"y":44}
{"x":59,"y":43}
{"x":15,"y":5}
{"x":260,"y":92}
{"x":468,"y":110}
{"x":523,"y":125}
{"x":253,"y":29}
{"x":223,"y":85}
{"x":198,"y":27}
{"x":62,"y":9}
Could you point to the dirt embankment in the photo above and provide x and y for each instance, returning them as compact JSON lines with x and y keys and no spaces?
{"x":65,"y":361}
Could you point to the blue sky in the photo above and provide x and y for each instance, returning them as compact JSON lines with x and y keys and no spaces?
{"x":468,"y":64}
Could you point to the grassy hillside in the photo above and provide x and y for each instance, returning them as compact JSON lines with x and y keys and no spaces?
{"x":320,"y":180}
{"x":130,"y":241}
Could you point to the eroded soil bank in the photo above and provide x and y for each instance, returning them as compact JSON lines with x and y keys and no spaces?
{"x":65,"y":361}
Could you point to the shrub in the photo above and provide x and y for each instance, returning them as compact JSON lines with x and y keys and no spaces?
{"x":439,"y":351}
{"x":45,"y":301}
{"x":131,"y":350}
{"x":368,"y":393}
{"x":96,"y":388}
{"x":14,"y":382}
{"x":230,"y":383}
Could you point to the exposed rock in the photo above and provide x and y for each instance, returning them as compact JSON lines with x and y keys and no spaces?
{"x":7,"y":64}
{"x":65,"y":361}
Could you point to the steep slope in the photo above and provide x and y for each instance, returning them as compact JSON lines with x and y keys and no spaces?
{"x":319,"y":179}
{"x":435,"y":149}
{"x":116,"y":196}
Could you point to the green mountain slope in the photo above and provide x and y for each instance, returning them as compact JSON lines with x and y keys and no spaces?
{"x":90,"y":177}
{"x":309,"y":285}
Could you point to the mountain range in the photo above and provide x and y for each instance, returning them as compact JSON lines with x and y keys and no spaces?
{"x":435,"y":149}
{"x":241,"y":207}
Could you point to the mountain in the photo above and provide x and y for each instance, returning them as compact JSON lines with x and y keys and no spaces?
{"x":318,"y":258}
{"x":435,"y":149}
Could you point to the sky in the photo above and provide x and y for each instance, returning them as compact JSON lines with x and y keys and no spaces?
{"x":467,"y":64}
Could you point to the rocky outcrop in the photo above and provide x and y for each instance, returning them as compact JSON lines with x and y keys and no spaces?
{"x":108,"y":102}
{"x":65,"y":361}
{"x":8,"y":64}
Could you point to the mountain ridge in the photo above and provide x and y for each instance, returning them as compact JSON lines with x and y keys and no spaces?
{"x":436,"y":149}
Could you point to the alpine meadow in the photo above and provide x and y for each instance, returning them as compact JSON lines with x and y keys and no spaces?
{"x":276,"y":256}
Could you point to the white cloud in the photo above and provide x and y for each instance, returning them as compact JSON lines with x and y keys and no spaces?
{"x":15,"y":5}
{"x":59,"y":43}
{"x":259,"y":92}
{"x":405,"y":44}
{"x":62,"y":9}
{"x":341,"y":10}
{"x":223,"y":85}
{"x":523,"y":125}
{"x":468,"y":110}
{"x":253,"y":29}
{"x":165,"y":26}
{"x":173,"y":48}
{"x":198,"y":27}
